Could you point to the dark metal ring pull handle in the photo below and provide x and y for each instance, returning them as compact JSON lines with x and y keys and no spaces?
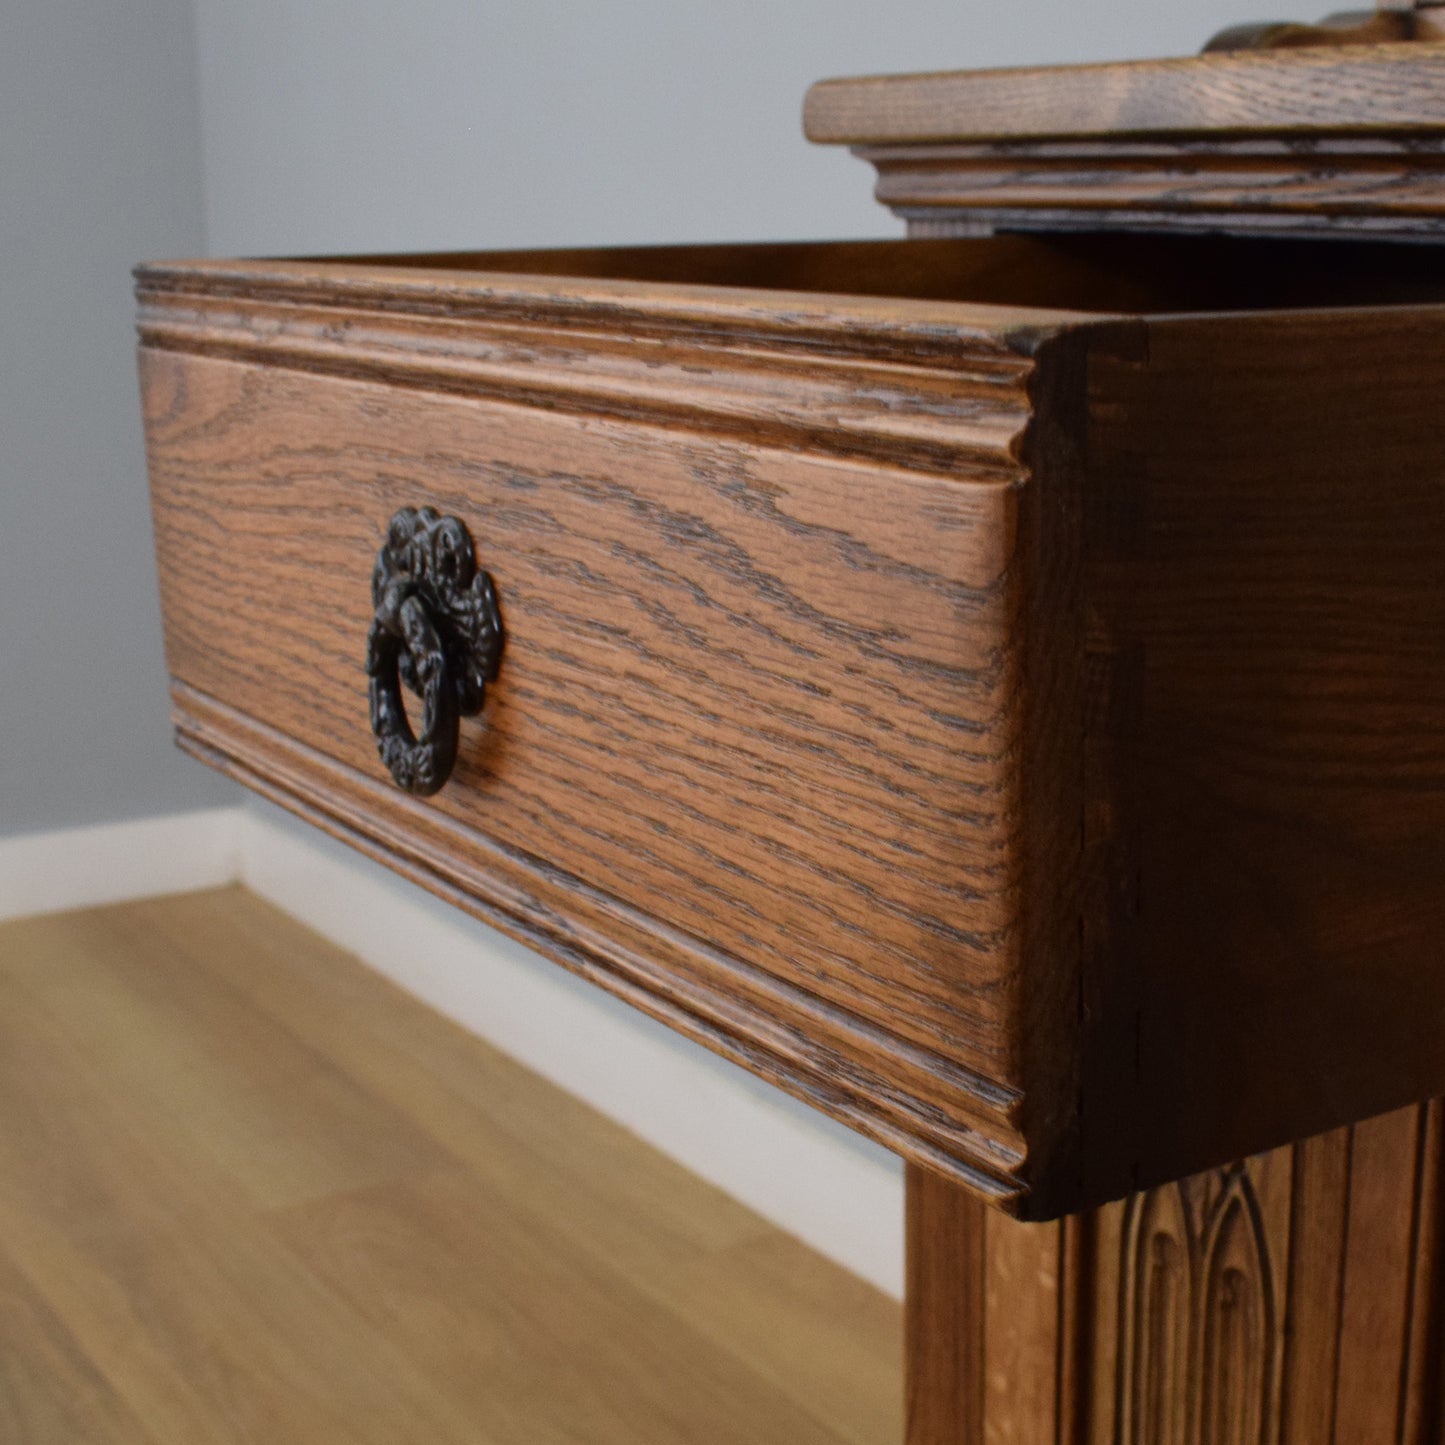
{"x":436,"y":627}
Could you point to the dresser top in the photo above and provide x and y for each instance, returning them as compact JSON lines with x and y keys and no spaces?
{"x":1335,"y":90}
{"x":1319,"y":140}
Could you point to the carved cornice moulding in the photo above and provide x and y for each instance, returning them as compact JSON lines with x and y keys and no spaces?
{"x":1310,"y":141}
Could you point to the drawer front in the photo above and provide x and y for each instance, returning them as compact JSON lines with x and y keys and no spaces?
{"x":1016,"y":732}
{"x":752,"y":759}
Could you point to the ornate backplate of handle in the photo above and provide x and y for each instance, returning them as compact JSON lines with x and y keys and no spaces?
{"x":437,"y":628}
{"x":1392,"y":20}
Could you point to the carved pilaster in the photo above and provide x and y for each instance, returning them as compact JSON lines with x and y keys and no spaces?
{"x":1200,"y":1324}
{"x":1293,"y":1299}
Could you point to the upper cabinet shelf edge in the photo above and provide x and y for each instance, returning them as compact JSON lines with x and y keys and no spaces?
{"x":1328,"y":141}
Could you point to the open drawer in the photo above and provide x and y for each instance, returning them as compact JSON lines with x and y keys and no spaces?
{"x":994,"y":689}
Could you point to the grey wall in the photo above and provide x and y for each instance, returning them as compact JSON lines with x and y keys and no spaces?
{"x":334,"y":125}
{"x":100,"y":165}
{"x":343,"y":124}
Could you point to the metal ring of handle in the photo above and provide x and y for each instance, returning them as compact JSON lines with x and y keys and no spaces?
{"x":436,"y":627}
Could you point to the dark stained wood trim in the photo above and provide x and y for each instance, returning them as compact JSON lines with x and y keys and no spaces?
{"x":1052,"y":613}
{"x":945,"y":1319}
{"x":1389,"y":186}
{"x":1293,"y":1298}
{"x":1318,"y":142}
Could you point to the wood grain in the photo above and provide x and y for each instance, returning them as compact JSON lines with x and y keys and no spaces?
{"x":1351,"y":89}
{"x":753,"y":761}
{"x":50,"y":1392}
{"x":946,"y":1320}
{"x":1330,"y":139}
{"x":251,"y":1192}
{"x":1265,"y":586}
{"x":1291,"y":1299}
{"x":1385,"y":187}
{"x":1014,"y":729}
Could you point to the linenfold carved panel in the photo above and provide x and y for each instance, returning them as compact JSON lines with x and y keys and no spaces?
{"x":1296,"y":1298}
{"x":1199,"y":1321}
{"x":1291,"y":1299}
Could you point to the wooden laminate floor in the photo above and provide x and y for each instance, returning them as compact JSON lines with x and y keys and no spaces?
{"x":251,"y":1192}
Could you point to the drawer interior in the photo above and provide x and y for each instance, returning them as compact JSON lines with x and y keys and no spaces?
{"x":1083,"y":272}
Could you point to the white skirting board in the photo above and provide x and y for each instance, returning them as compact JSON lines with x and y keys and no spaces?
{"x":835,"y":1191}
{"x":113,"y":862}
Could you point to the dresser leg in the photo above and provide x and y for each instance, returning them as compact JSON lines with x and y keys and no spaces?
{"x":1293,"y":1299}
{"x":945,"y":1231}
{"x":992,"y":1343}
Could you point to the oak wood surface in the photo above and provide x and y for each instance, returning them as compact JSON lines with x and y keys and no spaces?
{"x":1325,"y":140}
{"x":497,"y":322}
{"x":755,"y":760}
{"x":1345,"y":90}
{"x":1292,"y":1299}
{"x":1266,"y":594}
{"x":944,"y":1344}
{"x":1386,"y":188}
{"x":1012,"y":728}
{"x":251,"y":1192}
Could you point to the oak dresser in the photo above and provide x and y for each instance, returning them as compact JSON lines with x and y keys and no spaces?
{"x":990,"y":684}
